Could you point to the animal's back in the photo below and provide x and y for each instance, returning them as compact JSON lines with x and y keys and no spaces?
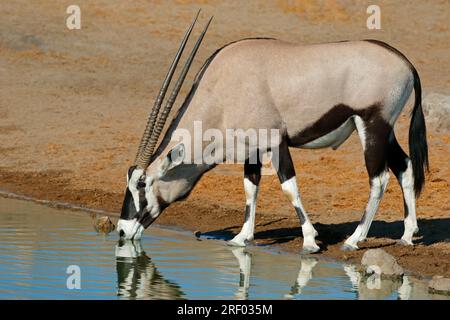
{"x":265,"y":83}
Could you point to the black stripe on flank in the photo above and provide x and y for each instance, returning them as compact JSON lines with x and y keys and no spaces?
{"x":334,"y":118}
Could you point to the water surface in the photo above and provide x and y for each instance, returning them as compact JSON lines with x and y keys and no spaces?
{"x":38,"y":244}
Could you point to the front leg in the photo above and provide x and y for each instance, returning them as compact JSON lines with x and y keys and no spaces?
{"x":252,"y":176}
{"x":286,"y":174}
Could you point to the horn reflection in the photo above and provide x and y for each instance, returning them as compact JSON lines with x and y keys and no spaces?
{"x":138,"y":277}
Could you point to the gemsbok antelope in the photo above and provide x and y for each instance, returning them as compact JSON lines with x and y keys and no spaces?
{"x":314,"y":95}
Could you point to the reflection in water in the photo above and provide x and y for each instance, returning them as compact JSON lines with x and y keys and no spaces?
{"x":304,"y":275}
{"x":39,"y":243}
{"x":244,"y":259}
{"x":367,"y":288}
{"x":137,"y":276}
{"x":375,"y":287}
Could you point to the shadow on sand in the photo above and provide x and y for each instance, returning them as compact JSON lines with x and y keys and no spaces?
{"x":430,"y":231}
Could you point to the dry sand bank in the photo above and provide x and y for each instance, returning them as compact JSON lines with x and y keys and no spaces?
{"x":73,"y":104}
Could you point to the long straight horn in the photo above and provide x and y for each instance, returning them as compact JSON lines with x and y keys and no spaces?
{"x":147,"y":152}
{"x":162,"y":92}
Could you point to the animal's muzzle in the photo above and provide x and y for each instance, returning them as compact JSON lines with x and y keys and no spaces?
{"x":130,"y":229}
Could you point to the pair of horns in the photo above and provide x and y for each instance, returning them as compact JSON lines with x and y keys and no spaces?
{"x":157,"y":119}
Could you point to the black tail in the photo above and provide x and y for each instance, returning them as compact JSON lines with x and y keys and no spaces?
{"x":418,"y":147}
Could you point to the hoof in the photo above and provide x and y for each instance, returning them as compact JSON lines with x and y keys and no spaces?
{"x":403,"y":242}
{"x":236,"y":243}
{"x":310,"y":249}
{"x":347,"y":247}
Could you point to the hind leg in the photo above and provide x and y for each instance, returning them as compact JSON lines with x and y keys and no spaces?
{"x":374,"y":139}
{"x":286,"y":174}
{"x":400,"y":164}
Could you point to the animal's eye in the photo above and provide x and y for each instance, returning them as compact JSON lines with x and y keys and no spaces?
{"x":141,"y":184}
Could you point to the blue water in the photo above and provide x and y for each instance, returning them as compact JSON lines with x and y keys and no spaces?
{"x":39,"y":243}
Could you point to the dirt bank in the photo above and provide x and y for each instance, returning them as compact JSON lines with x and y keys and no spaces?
{"x":72,"y":105}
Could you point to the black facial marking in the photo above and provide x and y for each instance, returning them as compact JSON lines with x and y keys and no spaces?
{"x":128,"y":211}
{"x":141,"y":184}
{"x":142,"y":199}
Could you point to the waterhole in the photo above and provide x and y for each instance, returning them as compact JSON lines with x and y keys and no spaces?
{"x":40,"y":246}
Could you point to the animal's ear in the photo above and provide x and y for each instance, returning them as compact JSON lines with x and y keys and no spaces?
{"x":130,"y":172}
{"x":174,"y":158}
{"x":176,"y":155}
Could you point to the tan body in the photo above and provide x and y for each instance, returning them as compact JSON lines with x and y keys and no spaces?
{"x":275,"y":84}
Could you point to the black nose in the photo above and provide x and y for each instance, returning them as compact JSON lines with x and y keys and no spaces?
{"x":121,"y":233}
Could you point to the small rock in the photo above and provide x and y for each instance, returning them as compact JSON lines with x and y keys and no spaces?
{"x":104,"y":225}
{"x":439,"y":285}
{"x":197,"y":234}
{"x":382,"y":263}
{"x":436,"y":108}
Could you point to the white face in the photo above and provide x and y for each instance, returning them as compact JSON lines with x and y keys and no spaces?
{"x":140,"y":207}
{"x":144,"y":200}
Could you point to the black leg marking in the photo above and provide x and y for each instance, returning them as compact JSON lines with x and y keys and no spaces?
{"x":377,"y":133}
{"x":284,"y":164}
{"x":285,"y":172}
{"x":252,"y":172}
{"x":247,"y":212}
{"x":397,"y":158}
{"x":397,"y":162}
{"x":300,"y":215}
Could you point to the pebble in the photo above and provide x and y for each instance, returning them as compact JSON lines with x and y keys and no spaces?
{"x":382,"y":263}
{"x":104,"y":225}
{"x":440,"y":285}
{"x":436,"y":108}
{"x":197,"y":234}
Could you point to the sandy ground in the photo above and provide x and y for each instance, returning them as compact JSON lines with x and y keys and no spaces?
{"x":73,"y":106}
